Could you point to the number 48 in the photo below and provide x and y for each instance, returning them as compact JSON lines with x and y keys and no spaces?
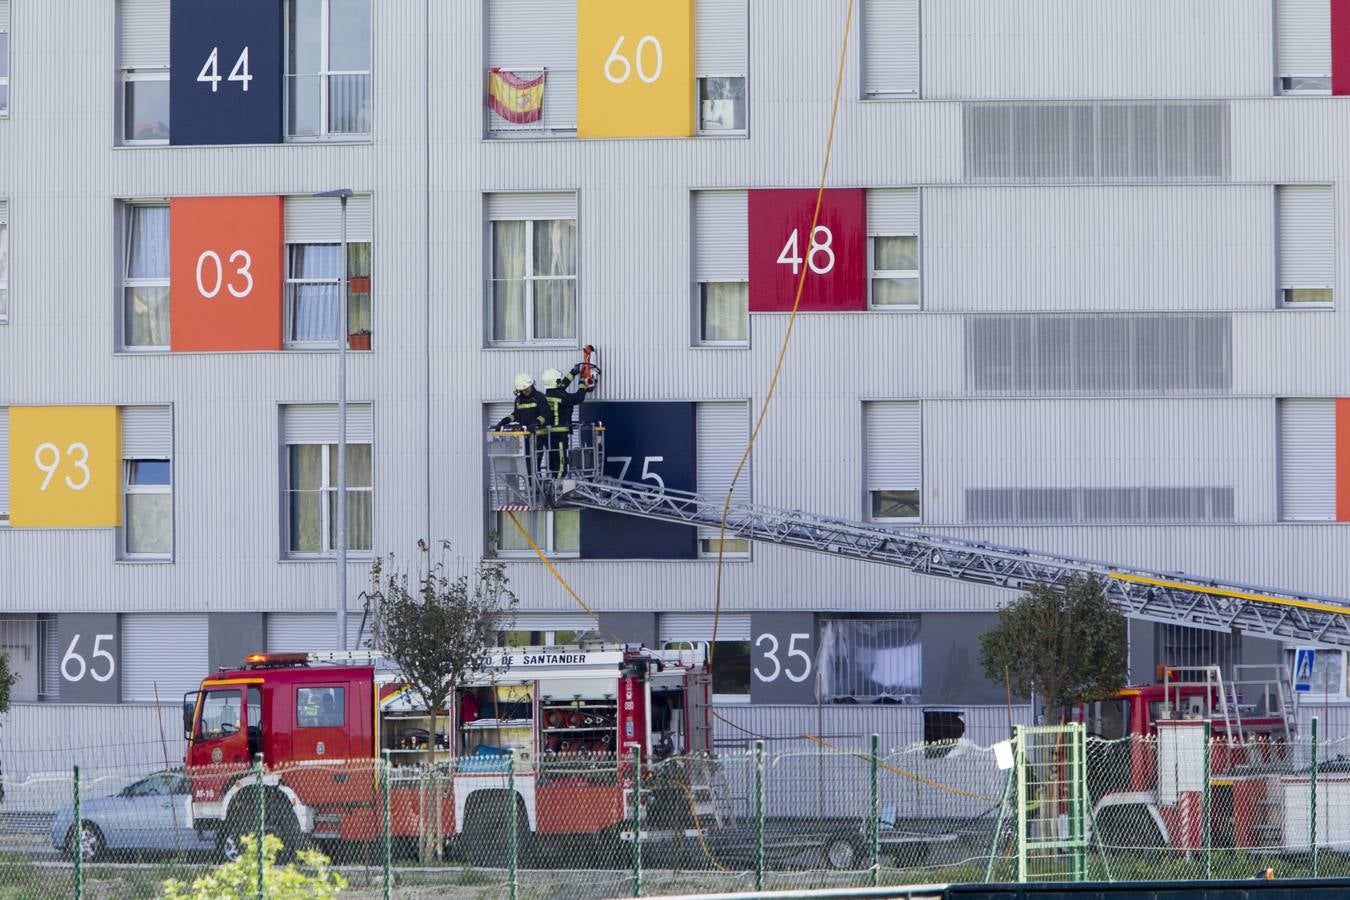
{"x":212,"y":65}
{"x":819,"y":246}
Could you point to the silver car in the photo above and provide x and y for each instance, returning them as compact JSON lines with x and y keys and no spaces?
{"x":150,"y":814}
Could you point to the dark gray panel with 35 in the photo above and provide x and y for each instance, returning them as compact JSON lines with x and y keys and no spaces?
{"x":783,"y":657}
{"x":90,"y":665}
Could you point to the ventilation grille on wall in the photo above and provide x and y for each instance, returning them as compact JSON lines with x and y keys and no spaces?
{"x":1113,"y":504}
{"x":1097,"y":354}
{"x":1096,"y":141}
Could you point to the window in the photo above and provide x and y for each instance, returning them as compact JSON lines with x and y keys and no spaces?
{"x":145,"y":277}
{"x":721,"y":269}
{"x":721,"y":104}
{"x":312,"y":506}
{"x":4,"y":262}
{"x":724,"y":312}
{"x":1310,"y":459}
{"x":148,"y":495}
{"x":1302,"y":47}
{"x":220,"y":714}
{"x":31,"y":643}
{"x":313,"y":282}
{"x":534,"y":281}
{"x":871,"y":660}
{"x":1307,"y":248}
{"x":730,"y":653}
{"x":722,"y":429}
{"x":4,"y":57}
{"x":521,"y":638}
{"x":890,"y":49}
{"x":143,"y":66}
{"x":328,"y":53}
{"x":892,"y":460}
{"x":893,"y":248}
{"x":556,"y":532}
{"x":1100,"y":504}
{"x":320,"y":707}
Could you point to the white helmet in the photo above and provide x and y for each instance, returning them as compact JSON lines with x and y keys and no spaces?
{"x":551,"y":377}
{"x":524,"y":381}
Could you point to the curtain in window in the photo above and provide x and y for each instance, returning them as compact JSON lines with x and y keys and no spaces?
{"x":4,"y":269}
{"x":555,"y":260}
{"x":360,"y":498}
{"x":314,"y":312}
{"x":147,"y":306}
{"x":306,"y":500}
{"x":149,"y":523}
{"x":871,"y":659}
{"x":725,"y":311}
{"x":148,"y":256}
{"x":508,"y":281}
{"x":358,"y":287}
{"x":349,"y":52}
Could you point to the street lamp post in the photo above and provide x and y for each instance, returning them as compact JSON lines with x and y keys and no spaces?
{"x":342,"y":195}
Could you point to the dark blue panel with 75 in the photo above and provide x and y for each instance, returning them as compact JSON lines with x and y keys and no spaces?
{"x":225,"y":72}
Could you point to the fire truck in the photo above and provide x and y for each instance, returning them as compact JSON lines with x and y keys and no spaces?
{"x":551,"y":730}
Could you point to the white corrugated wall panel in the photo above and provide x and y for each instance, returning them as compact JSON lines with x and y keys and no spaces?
{"x":532,"y":33}
{"x":318,"y":423}
{"x":555,"y":621}
{"x":1307,"y":457}
{"x":722,"y":432}
{"x":721,"y":37}
{"x":890,"y":48}
{"x":296,"y":632}
{"x":721,"y":236}
{"x":165,"y":651}
{"x":147,"y":432}
{"x":893,"y":451}
{"x":893,"y":211}
{"x":699,"y":626}
{"x":1303,"y":37}
{"x":4,"y":15}
{"x":143,"y":33}
{"x":531,"y":206}
{"x":318,"y":220}
{"x":1307,"y":235}
{"x":4,"y":460}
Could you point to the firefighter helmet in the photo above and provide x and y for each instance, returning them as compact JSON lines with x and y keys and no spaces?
{"x":524,"y":381}
{"x":551,"y":377}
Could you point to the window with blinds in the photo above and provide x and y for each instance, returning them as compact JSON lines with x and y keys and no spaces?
{"x":1102,"y":141}
{"x":532,"y":269}
{"x":723,"y":428}
{"x":4,"y":465}
{"x":147,"y":483}
{"x":1307,"y":458}
{"x":721,"y":315}
{"x":1098,"y":354}
{"x":309,"y":435}
{"x":4,"y":262}
{"x":890,"y":49}
{"x":143,"y":69}
{"x":893,"y":248}
{"x":1307,"y":244}
{"x":1074,"y":505}
{"x":1303,"y":46}
{"x":892,"y":461}
{"x":312,"y":304}
{"x":4,"y":58}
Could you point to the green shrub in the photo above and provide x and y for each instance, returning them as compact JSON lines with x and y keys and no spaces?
{"x":238,"y":880}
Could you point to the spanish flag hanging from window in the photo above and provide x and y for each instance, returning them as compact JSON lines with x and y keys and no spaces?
{"x":516,"y":99}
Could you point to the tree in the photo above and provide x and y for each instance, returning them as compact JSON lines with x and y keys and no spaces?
{"x":438,"y":630}
{"x":238,"y":880}
{"x":7,"y":681}
{"x":1064,"y":642}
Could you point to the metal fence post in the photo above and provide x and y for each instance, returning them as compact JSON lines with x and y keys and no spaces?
{"x":77,"y":840}
{"x":388,"y":830}
{"x":637,"y":821}
{"x":1206,"y":828}
{"x":759,"y":815}
{"x":1312,"y":800}
{"x":262,"y":825}
{"x":874,"y":815}
{"x":512,"y":839}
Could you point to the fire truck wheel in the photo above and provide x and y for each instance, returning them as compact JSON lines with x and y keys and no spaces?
{"x":842,"y":851}
{"x":89,"y":843}
{"x":485,"y":822}
{"x":280,"y":822}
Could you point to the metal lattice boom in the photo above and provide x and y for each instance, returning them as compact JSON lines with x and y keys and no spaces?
{"x":1167,"y":597}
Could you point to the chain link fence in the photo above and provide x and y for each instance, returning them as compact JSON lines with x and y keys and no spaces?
{"x":1050,"y":805}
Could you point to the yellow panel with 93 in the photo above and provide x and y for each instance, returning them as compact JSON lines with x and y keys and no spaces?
{"x":64,"y":467}
{"x":635,"y":68}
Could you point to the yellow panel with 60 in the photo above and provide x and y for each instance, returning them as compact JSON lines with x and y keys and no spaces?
{"x":64,"y":467}
{"x":635,"y":68}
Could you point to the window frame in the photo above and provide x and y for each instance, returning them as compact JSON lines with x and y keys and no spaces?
{"x":327,"y":492}
{"x":721,"y":698}
{"x":125,"y":281}
{"x":875,"y":274}
{"x":707,"y":548}
{"x":529,"y":279}
{"x":129,"y":75}
{"x":547,"y":545}
{"x":9,"y":62}
{"x":1282,"y":91}
{"x":324,"y":74}
{"x":124,"y":553}
{"x":699,"y":129}
{"x":288,"y":341}
{"x":701,"y":299}
{"x":8,"y":256}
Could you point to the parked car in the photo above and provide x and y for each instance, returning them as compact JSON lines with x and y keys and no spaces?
{"x":150,"y":814}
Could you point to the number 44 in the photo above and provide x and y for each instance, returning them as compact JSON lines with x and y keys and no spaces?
{"x":212,"y":66}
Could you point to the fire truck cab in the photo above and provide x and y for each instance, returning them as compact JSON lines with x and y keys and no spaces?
{"x":555,"y":726}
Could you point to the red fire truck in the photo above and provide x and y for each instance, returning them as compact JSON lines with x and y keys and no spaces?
{"x":550,"y":729}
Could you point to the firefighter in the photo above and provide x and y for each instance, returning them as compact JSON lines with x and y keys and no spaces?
{"x":560,"y":405}
{"x":529,"y":411}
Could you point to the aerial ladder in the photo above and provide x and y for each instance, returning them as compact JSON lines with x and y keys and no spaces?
{"x":516,"y":482}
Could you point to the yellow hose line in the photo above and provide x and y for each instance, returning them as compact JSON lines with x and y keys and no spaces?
{"x":1229,"y":592}
{"x":558,"y":575}
{"x":787,"y":335}
{"x":913,"y":776}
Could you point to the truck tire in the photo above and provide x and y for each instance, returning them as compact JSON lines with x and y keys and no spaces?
{"x":843,"y":851}
{"x":484,"y":838}
{"x":279,"y":821}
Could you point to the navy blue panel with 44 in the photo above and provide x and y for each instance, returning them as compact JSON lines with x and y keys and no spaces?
{"x":225,"y":71}
{"x":650,"y":443}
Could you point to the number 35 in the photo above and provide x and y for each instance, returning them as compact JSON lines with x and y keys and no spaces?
{"x":771,"y":654}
